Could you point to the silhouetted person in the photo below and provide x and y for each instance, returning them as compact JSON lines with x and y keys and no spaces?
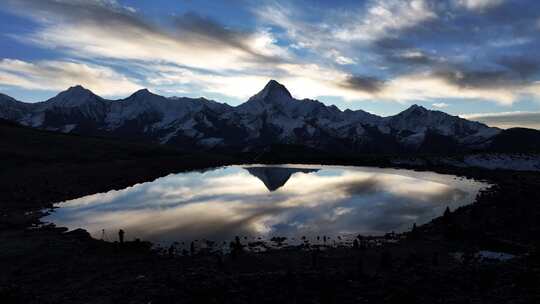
{"x":170,"y":251}
{"x":236,"y":247}
{"x":121,"y":236}
{"x":355,"y":244}
{"x":447,"y":212}
{"x":192,"y":248}
{"x":237,"y":244}
{"x":414,"y":231}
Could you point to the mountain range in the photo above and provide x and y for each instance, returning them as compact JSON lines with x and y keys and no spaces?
{"x":272,"y":116}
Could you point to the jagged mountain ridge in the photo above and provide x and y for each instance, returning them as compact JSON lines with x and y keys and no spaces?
{"x":272,"y":116}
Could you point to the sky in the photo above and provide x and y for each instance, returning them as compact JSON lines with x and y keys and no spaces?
{"x":479,"y":59}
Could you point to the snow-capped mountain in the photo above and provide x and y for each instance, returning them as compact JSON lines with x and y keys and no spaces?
{"x":272,"y":116}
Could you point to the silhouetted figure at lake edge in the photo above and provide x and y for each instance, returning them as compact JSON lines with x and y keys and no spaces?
{"x":414,"y":232}
{"x":236,"y":247}
{"x":192,"y":248}
{"x":121,"y":236}
{"x":447,"y":212}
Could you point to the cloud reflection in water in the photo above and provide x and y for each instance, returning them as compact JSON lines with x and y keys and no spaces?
{"x":303,"y":200}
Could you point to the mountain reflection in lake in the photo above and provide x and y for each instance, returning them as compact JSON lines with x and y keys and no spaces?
{"x":266,"y":201}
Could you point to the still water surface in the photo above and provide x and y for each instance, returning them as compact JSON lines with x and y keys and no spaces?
{"x":266,"y":201}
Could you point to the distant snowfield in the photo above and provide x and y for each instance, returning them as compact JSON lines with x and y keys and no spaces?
{"x":491,"y":161}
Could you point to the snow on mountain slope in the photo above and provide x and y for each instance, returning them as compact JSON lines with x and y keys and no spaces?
{"x":272,"y":116}
{"x":274,"y":109}
{"x":12,"y":109}
{"x":275,"y":100}
{"x":416,"y":121}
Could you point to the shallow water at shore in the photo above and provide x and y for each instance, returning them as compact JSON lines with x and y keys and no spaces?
{"x":260,"y":202}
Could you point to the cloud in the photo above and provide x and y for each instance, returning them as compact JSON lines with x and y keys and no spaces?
{"x":386,"y":18}
{"x":392,"y":36}
{"x":339,"y":58}
{"x":476,"y":79}
{"x":205,"y":32}
{"x":508,"y":119}
{"x":478,"y":5}
{"x":84,"y":29}
{"x":364,"y":83}
{"x":426,"y":87}
{"x":413,"y":57}
{"x":312,"y":80}
{"x":58,"y":75}
{"x":524,"y":67}
{"x":440,"y":105}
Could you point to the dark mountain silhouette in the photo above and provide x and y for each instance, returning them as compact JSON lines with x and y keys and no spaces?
{"x":276,"y":177}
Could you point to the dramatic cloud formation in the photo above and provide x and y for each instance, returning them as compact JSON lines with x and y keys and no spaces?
{"x":381,"y":52}
{"x":508,"y":119}
{"x":59,"y":75}
{"x":83,"y":28}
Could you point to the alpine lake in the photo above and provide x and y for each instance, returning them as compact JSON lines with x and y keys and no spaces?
{"x":297,"y":203}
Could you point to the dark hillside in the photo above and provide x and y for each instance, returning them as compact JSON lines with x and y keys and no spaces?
{"x":42,"y":167}
{"x":517,"y":140}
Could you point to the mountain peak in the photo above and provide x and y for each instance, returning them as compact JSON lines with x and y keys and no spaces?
{"x":77,"y":89}
{"x":273,"y":83}
{"x":144,"y":91}
{"x":73,"y":97}
{"x":273,"y":91}
{"x":144,"y":94}
{"x":415,"y":106}
{"x":75,"y":92}
{"x":415,"y":109}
